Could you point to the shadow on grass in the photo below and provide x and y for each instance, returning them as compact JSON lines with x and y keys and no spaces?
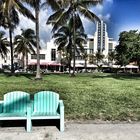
{"x":26,"y":75}
{"x":120,"y":76}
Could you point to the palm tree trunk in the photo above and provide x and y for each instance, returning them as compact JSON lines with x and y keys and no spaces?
{"x":138,"y":63}
{"x":11,"y":47}
{"x":85,"y":64}
{"x":38,"y":76}
{"x":74,"y":44}
{"x":26,"y":61}
{"x":69,"y":64}
{"x":23,"y":61}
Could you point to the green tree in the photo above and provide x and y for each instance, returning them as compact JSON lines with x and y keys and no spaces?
{"x":125,"y":49}
{"x":92,"y":59}
{"x":99,"y":59}
{"x":111,"y":57}
{"x":4,"y":44}
{"x":134,"y":50}
{"x":25,"y":44}
{"x":71,"y":9}
{"x":9,"y":12}
{"x":85,"y":56}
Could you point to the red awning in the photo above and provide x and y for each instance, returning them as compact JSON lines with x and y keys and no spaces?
{"x":46,"y":63}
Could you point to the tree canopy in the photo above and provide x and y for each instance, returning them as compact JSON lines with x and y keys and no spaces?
{"x":128,"y":49}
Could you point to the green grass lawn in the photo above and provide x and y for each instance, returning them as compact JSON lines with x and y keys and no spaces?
{"x":86,"y":96}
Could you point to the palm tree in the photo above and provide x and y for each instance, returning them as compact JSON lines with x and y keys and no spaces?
{"x":4,"y":44}
{"x":92,"y":59}
{"x":25,"y":44}
{"x":9,"y":11}
{"x":111,"y":56}
{"x":71,"y":9}
{"x":36,"y":4}
{"x":63,"y":38}
{"x":99,"y":57}
{"x":85,"y":55}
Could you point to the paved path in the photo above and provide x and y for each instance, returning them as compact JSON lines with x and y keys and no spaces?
{"x":74,"y":131}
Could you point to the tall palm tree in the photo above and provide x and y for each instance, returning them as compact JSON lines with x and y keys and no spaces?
{"x":9,"y":11}
{"x":70,"y":9}
{"x":111,"y":56}
{"x":63,"y":38}
{"x":85,"y":56}
{"x":99,"y":57}
{"x":25,"y":44}
{"x":36,"y":4}
{"x":92,"y":59}
{"x":4,"y":44}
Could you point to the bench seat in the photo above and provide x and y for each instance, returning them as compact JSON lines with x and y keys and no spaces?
{"x":46,"y":105}
{"x":12,"y":115}
{"x":15,"y":106}
{"x":34,"y":114}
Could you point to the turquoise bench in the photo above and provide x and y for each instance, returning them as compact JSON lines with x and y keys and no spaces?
{"x":15,"y":106}
{"x":46,"y":105}
{"x":18,"y":106}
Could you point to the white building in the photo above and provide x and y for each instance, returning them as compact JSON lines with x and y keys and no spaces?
{"x":99,"y":41}
{"x":50,"y":56}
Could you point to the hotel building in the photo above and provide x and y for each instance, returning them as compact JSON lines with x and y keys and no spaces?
{"x":50,"y":56}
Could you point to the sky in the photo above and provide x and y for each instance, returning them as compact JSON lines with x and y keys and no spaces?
{"x":119,"y":15}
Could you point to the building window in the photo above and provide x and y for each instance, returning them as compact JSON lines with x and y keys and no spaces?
{"x":42,"y":56}
{"x":86,"y":51}
{"x":91,"y":44}
{"x":110,"y":48}
{"x":91,"y":51}
{"x":34,"y":56}
{"x":78,"y":57}
{"x":53,"y":54}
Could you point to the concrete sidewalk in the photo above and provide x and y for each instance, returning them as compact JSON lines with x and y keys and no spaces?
{"x":74,"y":131}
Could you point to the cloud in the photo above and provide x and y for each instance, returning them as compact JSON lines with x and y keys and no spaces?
{"x":99,"y":8}
{"x":110,"y":1}
{"x":103,"y":11}
{"x":105,"y":17}
{"x":25,"y":23}
{"x":45,"y":30}
{"x":88,"y":25}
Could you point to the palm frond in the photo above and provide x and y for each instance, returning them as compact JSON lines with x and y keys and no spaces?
{"x":63,"y":18}
{"x":61,"y":46}
{"x":88,"y":14}
{"x":88,"y":3}
{"x":23,"y":10}
{"x":56,"y":35}
{"x":52,"y":3}
{"x":64,"y":29}
{"x":4,"y":44}
{"x":54,"y":17}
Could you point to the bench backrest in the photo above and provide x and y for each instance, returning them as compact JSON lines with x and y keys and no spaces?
{"x":16,"y":101}
{"x":46,"y":101}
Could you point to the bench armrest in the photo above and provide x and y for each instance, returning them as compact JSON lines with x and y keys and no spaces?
{"x":61,"y":104}
{"x":1,"y":106}
{"x":61,"y":111}
{"x":30,"y":109}
{"x":61,"y":107}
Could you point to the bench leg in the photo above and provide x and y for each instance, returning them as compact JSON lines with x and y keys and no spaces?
{"x":1,"y":122}
{"x":29,"y":125}
{"x":62,"y":122}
